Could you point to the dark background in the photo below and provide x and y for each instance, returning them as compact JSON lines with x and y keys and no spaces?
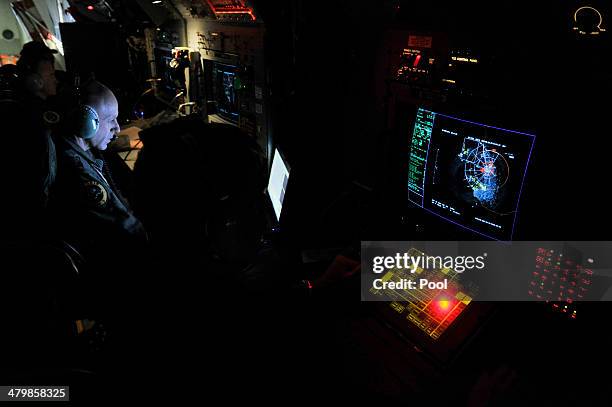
{"x":344,"y":126}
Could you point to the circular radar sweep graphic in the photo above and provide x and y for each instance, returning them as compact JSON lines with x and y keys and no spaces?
{"x":486,"y":171}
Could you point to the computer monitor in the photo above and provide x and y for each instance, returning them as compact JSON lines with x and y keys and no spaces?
{"x":468,"y":173}
{"x":225,"y":78}
{"x":277,"y":183}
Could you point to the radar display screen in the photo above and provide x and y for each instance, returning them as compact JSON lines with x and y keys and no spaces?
{"x":468,"y":173}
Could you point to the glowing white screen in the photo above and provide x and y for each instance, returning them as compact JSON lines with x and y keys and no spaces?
{"x":277,"y":184}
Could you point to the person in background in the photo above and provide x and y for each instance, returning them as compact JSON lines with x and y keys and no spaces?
{"x":27,"y":167}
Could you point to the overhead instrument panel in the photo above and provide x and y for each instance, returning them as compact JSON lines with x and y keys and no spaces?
{"x":232,"y":10}
{"x":416,"y":61}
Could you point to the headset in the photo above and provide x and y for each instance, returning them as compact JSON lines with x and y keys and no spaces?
{"x":32,"y":81}
{"x":82,"y":120}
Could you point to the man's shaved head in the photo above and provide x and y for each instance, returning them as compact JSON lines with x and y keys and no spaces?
{"x":96,"y":94}
{"x":102,"y":99}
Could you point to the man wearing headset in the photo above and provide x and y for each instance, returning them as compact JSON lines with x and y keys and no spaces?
{"x":89,"y":205}
{"x":36,"y":66}
{"x":87,"y":209}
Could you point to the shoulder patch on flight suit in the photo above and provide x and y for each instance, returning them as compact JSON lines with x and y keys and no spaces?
{"x":95,"y":193}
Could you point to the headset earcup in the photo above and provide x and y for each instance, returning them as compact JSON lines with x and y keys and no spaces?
{"x":33,"y":82}
{"x":86,"y":122}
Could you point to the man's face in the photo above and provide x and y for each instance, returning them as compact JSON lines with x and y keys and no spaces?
{"x":107,"y":112}
{"x":46,"y":70}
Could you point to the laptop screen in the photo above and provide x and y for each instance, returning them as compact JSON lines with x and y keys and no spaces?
{"x":277,"y":184}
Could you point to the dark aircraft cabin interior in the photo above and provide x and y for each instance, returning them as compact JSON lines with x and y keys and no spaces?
{"x":188,"y":186}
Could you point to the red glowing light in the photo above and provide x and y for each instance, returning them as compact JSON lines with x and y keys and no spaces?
{"x":90,"y":8}
{"x":442,"y":306}
{"x":416,"y":60}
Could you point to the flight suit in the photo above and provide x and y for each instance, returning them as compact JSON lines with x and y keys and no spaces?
{"x":88,"y":210}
